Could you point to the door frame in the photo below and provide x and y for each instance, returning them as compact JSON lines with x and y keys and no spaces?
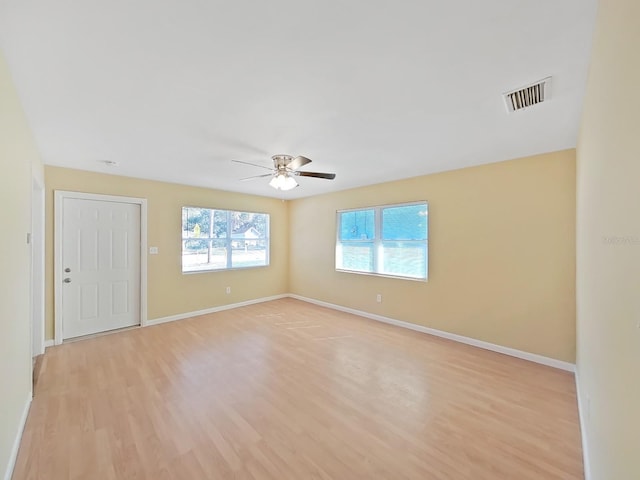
{"x":59,"y":197}
{"x":37,"y":266}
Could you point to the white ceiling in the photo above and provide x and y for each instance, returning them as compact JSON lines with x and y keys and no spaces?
{"x":371,"y":90}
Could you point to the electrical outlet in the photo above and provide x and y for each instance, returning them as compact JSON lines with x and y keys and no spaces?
{"x":153,"y":250}
{"x":228,"y":290}
{"x":379,"y":298}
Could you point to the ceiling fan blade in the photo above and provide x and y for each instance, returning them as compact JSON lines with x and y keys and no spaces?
{"x":328,"y":176}
{"x":257,"y":176}
{"x":298,"y":162}
{"x":253,"y":164}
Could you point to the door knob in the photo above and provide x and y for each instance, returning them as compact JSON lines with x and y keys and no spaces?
{"x":67,"y":280}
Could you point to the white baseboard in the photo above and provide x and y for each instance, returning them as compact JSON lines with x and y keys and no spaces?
{"x":182,"y":316}
{"x":582,"y":405}
{"x":532,"y":357}
{"x":49,"y":343}
{"x":16,"y":443}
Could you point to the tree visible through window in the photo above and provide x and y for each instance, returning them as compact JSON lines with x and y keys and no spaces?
{"x":222,"y":239}
{"x":387,"y":240}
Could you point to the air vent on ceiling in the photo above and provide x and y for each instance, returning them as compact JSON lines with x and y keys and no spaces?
{"x":527,"y":96}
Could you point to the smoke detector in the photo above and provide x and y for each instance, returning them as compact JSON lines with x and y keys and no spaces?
{"x":528,"y":96}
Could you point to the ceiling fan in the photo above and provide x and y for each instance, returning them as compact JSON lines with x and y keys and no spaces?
{"x":285,"y":167}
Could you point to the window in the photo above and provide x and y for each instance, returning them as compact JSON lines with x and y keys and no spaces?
{"x":388,"y":240}
{"x":222,"y":239}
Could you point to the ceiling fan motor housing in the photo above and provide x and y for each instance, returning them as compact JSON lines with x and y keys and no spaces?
{"x":281,"y":161}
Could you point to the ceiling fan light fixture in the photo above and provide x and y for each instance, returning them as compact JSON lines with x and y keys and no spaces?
{"x":283,"y":182}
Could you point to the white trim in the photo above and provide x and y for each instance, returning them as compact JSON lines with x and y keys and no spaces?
{"x":143,"y":262}
{"x":16,"y":443}
{"x":532,"y":357}
{"x":49,"y":343}
{"x":37,"y":274}
{"x":182,"y":316}
{"x":583,"y":430}
{"x":59,"y":196}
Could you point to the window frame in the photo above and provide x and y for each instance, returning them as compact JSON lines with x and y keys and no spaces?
{"x":228,"y":240}
{"x":378,"y":241}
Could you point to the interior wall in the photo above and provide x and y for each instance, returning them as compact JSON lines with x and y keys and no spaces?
{"x":18,"y":153}
{"x":501,"y":249}
{"x":170,"y":292}
{"x":608,"y":246}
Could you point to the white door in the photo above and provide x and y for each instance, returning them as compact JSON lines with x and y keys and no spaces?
{"x":101,"y":266}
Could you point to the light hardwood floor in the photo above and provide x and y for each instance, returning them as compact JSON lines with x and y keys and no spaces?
{"x":290,"y":390}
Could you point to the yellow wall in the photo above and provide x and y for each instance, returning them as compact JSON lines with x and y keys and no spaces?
{"x":169,"y":291}
{"x":18,"y":154}
{"x":501,"y":248}
{"x":608,"y":246}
